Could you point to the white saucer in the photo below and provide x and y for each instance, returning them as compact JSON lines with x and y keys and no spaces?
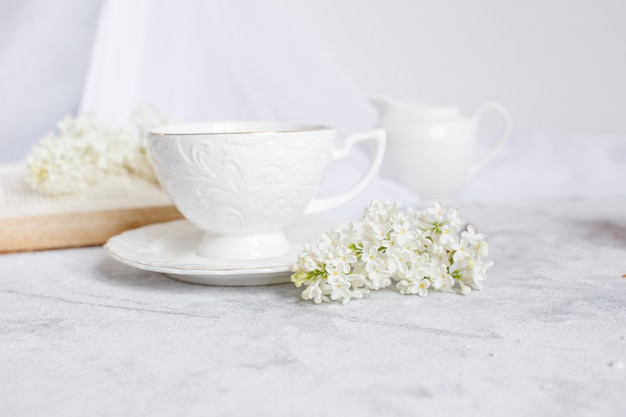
{"x":170,"y":248}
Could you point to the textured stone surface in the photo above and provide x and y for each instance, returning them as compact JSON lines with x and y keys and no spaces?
{"x":83,"y":335}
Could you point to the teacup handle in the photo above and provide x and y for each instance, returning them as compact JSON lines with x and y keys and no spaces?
{"x":506,"y":132}
{"x":378,"y":137}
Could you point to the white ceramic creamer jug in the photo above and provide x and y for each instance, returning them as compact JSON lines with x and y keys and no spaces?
{"x":431,"y":148}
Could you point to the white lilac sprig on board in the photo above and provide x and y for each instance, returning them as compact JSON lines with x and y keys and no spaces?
{"x":418,"y":251}
{"x":84,"y":150}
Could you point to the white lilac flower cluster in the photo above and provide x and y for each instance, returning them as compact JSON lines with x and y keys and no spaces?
{"x":84,"y":150}
{"x":419,"y":251}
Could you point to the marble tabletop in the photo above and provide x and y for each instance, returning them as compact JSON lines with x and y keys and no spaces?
{"x":81,"y":334}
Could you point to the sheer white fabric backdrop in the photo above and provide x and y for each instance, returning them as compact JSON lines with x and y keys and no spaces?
{"x":220,"y":60}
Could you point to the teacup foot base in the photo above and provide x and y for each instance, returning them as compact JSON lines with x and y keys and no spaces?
{"x":242,"y":280}
{"x":243,"y":247}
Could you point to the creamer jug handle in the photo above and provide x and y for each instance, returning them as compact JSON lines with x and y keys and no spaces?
{"x":504,"y":136}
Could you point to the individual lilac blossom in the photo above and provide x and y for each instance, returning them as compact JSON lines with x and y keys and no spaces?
{"x":372,"y":257}
{"x":423,"y":287}
{"x":471,"y":236}
{"x":379,"y":212}
{"x":340,"y":288}
{"x":314,"y":292}
{"x":344,"y":259}
{"x":448,"y":234}
{"x":441,"y":279}
{"x":378,"y":278}
{"x":461,"y":251}
{"x":349,"y":234}
{"x":419,"y":287}
{"x":331,"y":239}
{"x":452,"y":216}
{"x":334,"y":274}
{"x":465,"y":289}
{"x":358,"y":286}
{"x":403,"y":232}
{"x":401,"y":260}
{"x":479,"y":273}
{"x":482,"y":248}
{"x":434,"y":214}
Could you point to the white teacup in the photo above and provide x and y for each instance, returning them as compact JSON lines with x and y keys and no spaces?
{"x":243,"y":182}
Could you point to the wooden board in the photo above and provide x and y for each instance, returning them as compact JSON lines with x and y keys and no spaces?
{"x":30,"y":222}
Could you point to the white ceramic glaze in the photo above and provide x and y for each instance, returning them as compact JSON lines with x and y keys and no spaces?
{"x":170,"y":248}
{"x":243,"y":182}
{"x":431,"y":149}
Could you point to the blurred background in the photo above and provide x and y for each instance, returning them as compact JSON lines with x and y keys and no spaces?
{"x":557,"y":65}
